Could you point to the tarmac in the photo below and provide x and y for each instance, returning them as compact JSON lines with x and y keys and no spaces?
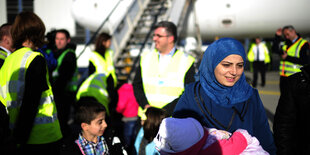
{"x":269,"y":94}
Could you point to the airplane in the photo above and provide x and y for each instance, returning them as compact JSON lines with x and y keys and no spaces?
{"x":239,"y":19}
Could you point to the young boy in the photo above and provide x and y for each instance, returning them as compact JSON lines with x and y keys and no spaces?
{"x":90,"y":115}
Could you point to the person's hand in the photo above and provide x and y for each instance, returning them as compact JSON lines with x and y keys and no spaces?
{"x":284,"y":55}
{"x":147,"y":106}
{"x":279,"y":32}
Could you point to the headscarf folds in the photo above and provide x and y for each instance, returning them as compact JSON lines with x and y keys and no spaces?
{"x":220,"y":94}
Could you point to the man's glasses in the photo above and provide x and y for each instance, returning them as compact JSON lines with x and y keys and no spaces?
{"x":160,"y":36}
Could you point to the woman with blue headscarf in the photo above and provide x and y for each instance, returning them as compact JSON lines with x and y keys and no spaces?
{"x":222,"y":98}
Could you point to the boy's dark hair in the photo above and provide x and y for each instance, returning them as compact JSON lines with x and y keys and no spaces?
{"x":152,"y":123}
{"x":87,"y":109}
{"x":170,"y":28}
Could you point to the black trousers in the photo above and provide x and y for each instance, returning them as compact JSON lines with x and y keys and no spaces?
{"x":64,"y":101}
{"x":39,"y":149}
{"x":259,"y":66}
{"x":284,"y":82}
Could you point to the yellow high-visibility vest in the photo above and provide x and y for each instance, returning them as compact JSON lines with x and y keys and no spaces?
{"x":95,"y":86}
{"x":46,"y":127}
{"x":3,"y":54}
{"x":104,"y":65}
{"x":72,"y":85}
{"x":163,"y":86}
{"x":254,"y":47}
{"x":288,"y":68}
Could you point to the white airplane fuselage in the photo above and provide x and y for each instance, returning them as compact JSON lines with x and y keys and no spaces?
{"x":221,"y":18}
{"x":249,"y":18}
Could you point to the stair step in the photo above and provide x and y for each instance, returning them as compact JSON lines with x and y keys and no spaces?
{"x":125,"y":60}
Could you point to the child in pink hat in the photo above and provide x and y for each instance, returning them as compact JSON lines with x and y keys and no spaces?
{"x":187,"y":136}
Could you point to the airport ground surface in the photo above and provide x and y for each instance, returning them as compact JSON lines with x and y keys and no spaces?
{"x":269,"y":94}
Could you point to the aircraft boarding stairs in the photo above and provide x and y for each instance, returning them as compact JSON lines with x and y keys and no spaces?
{"x":129,"y":46}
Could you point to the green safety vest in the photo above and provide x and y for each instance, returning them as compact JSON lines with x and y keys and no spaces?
{"x":72,"y":86}
{"x":3,"y":54}
{"x":104,"y":65}
{"x":288,"y":68}
{"x":46,"y":127}
{"x":163,"y":86}
{"x":95,"y":86}
{"x":251,"y":53}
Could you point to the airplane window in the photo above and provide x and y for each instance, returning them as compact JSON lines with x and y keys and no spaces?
{"x":226,"y":21}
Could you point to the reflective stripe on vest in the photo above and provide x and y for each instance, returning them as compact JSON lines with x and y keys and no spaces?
{"x":72,"y":85}
{"x":95,"y":86}
{"x":104,"y":65}
{"x":163,"y":86}
{"x":3,"y":54}
{"x":46,"y":127}
{"x":288,"y":68}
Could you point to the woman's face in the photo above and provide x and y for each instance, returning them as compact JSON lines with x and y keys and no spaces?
{"x":107,"y":43}
{"x":229,"y":70}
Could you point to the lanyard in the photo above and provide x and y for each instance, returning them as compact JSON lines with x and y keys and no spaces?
{"x":244,"y":108}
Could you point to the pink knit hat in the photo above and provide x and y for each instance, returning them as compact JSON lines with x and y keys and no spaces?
{"x":176,"y":135}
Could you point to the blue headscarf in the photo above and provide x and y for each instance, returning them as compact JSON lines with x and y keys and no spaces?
{"x":220,"y":94}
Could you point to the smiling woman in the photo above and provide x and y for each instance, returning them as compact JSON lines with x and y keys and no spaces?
{"x":222,"y":98}
{"x":229,"y":70}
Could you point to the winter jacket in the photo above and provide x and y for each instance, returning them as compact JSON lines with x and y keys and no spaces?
{"x":127,"y":104}
{"x":249,"y":115}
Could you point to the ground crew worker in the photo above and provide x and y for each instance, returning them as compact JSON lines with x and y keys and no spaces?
{"x":5,"y":42}
{"x":5,"y":50}
{"x":26,"y":92}
{"x":258,"y":55}
{"x":161,"y":77}
{"x":64,"y":77}
{"x":294,"y":53}
{"x":101,"y":61}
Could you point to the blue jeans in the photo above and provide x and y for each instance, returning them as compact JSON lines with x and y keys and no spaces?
{"x":129,"y":132}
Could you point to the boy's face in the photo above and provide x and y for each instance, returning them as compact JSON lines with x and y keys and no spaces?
{"x":98,"y":125}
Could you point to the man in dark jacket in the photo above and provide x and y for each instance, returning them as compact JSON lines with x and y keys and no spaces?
{"x":294,"y":53}
{"x":64,"y":75}
{"x":291,"y":121}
